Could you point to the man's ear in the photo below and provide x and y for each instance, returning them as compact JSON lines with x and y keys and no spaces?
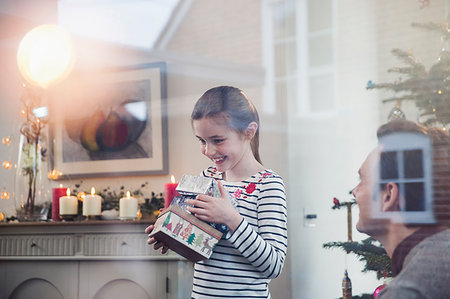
{"x":251,"y":130}
{"x":390,"y":198}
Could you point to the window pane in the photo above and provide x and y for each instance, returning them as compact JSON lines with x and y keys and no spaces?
{"x":414,"y":196}
{"x":319,"y":14}
{"x":285,"y":59}
{"x":413,"y":162}
{"x":321,"y":93}
{"x":388,"y":165}
{"x":283,"y":20}
{"x":321,"y":50}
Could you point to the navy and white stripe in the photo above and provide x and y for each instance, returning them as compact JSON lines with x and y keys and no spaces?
{"x":243,"y":262}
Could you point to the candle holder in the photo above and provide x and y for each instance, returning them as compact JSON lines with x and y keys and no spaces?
{"x":68,"y":217}
{"x":128,"y":218}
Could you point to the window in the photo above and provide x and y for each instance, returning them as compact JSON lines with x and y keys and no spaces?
{"x":300,"y":55}
{"x":406,"y":160}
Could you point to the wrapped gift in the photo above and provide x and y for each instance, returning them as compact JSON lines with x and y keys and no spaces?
{"x":185,"y":234}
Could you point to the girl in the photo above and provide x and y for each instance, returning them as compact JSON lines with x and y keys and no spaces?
{"x":253,"y":251}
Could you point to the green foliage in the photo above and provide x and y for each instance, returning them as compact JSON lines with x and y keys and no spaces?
{"x":372,"y":255}
{"x":429,"y":90}
{"x":148,"y":203}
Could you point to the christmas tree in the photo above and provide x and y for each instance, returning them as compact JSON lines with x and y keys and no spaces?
{"x":429,"y":90}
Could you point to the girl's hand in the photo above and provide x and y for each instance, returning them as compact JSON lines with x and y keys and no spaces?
{"x":152,"y":240}
{"x":216,"y":209}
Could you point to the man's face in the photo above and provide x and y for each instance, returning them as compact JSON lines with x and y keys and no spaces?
{"x":364,"y":193}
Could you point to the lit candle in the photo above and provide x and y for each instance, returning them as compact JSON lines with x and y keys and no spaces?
{"x":170,"y":192}
{"x":128,"y":207}
{"x":68,"y":205}
{"x":56,"y":194}
{"x":92,"y":204}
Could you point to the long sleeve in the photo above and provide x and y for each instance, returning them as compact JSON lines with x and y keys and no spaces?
{"x":265,"y":244}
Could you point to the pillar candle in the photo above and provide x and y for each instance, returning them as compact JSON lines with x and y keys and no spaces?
{"x":170,"y":192}
{"x":92,"y":204}
{"x":128,"y":207}
{"x":56,"y":194}
{"x":68,"y":205}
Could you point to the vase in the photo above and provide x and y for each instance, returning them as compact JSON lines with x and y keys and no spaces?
{"x":30,"y":192}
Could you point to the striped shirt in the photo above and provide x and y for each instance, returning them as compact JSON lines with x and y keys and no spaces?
{"x":243,"y":262}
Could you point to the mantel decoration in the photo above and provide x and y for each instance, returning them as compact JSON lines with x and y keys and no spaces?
{"x":149,"y":204}
{"x":44,"y":57}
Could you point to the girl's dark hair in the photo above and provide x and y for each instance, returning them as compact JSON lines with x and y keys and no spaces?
{"x":234,"y":105}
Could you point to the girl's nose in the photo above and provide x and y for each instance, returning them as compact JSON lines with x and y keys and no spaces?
{"x":209,"y":149}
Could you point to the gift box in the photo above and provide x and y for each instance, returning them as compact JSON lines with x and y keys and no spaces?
{"x":185,"y":234}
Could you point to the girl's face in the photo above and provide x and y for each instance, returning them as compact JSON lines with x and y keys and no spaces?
{"x":221,"y":144}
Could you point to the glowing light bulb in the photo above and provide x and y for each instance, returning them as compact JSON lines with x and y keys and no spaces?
{"x":54,"y":174}
{"x":7,"y":165}
{"x":81,"y":196}
{"x":5,"y":194}
{"x":6,"y":140}
{"x":45,"y":55}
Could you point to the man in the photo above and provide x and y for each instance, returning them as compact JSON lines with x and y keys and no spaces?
{"x":392,"y":199}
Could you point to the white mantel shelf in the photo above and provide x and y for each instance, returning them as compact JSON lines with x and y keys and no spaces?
{"x":104,"y":257}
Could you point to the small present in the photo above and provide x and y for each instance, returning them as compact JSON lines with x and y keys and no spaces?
{"x":185,"y":234}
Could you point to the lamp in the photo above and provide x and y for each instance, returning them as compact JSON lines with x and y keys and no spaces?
{"x":45,"y":55}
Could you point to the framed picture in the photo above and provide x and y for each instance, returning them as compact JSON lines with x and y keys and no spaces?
{"x":110,"y":123}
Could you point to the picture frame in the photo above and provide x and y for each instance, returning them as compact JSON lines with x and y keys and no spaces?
{"x":110,"y":123}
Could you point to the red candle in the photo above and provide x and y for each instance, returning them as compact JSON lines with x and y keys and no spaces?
{"x":170,"y":192}
{"x":56,"y":194}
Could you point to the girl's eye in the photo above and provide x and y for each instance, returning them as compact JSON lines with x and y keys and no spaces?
{"x":218,"y":141}
{"x":201,"y":141}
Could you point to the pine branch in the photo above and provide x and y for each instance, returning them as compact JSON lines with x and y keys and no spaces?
{"x":409,"y":59}
{"x":374,"y":257}
{"x":441,"y":28}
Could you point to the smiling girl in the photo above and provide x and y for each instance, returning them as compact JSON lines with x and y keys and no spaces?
{"x":226,"y":124}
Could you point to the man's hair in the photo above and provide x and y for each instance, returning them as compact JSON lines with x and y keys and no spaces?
{"x":440,"y":140}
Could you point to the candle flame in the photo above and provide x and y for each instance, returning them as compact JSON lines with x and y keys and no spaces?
{"x":92,"y":191}
{"x":172,"y":178}
{"x":128,"y":194}
{"x":68,"y":191}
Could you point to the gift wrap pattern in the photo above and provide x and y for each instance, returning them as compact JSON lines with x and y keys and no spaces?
{"x":189,"y":232}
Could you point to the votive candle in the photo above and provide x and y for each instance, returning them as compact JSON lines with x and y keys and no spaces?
{"x":68,"y":205}
{"x":92,"y":204}
{"x":128,"y":207}
{"x":56,"y":194}
{"x":170,"y":191}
